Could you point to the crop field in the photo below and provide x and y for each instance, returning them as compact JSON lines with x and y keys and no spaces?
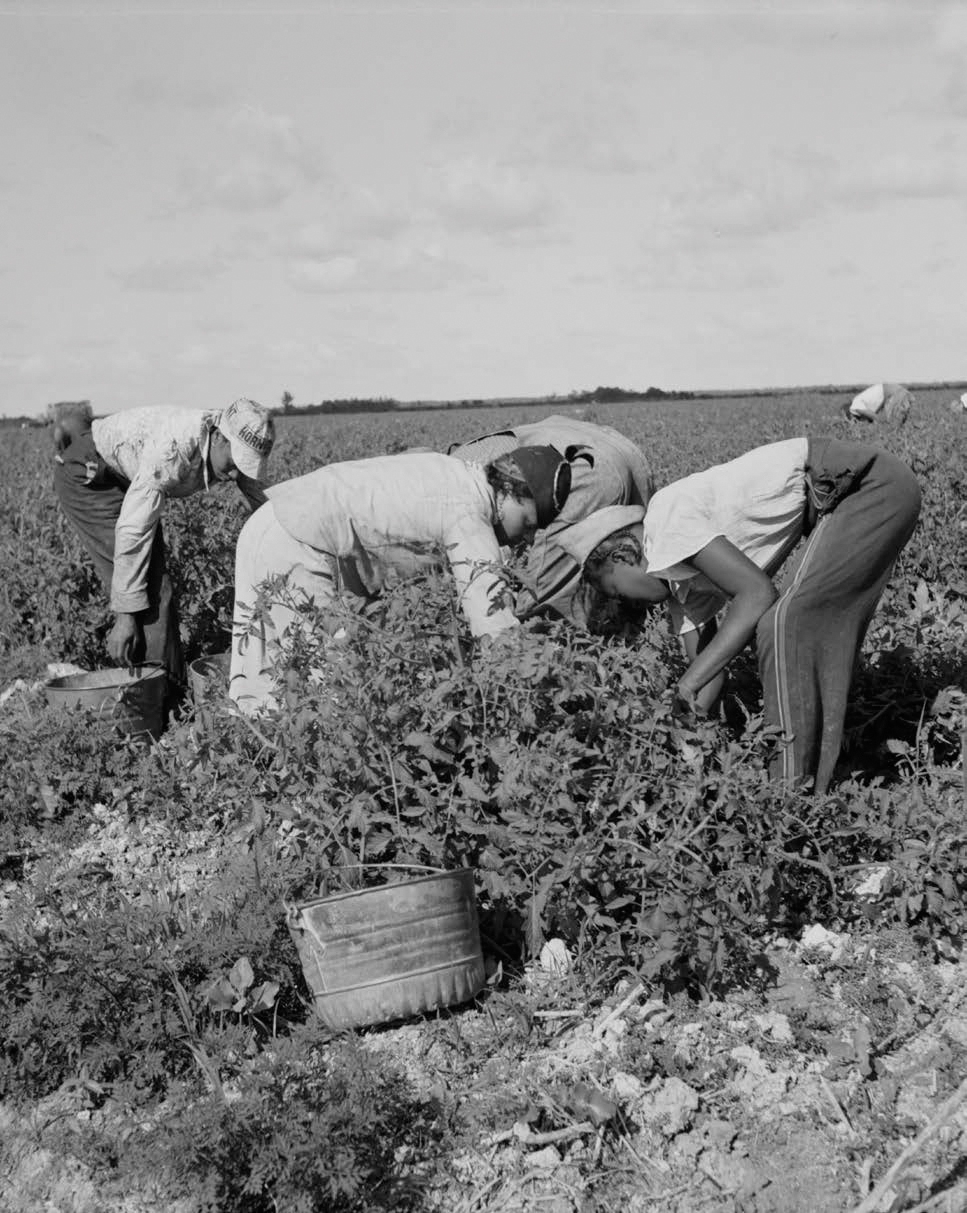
{"x":704,"y":994}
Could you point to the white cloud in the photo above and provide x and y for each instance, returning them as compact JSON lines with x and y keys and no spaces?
{"x":692,"y":269}
{"x":196,"y":354}
{"x":939,"y":173}
{"x":329,"y":274}
{"x":274,"y":133}
{"x":944,"y":85}
{"x":950,"y":30}
{"x":953,"y":94}
{"x":779,"y":190}
{"x":484,"y":195}
{"x":300,"y":356}
{"x":90,"y":358}
{"x":594,"y":130}
{"x":348,"y":216}
{"x":775,"y":24}
{"x":248,"y":184}
{"x":173,"y":273}
{"x":385,"y":267}
{"x":125,"y":358}
{"x":572,"y":127}
{"x":170,"y":93}
{"x":312,"y":241}
{"x":25,"y":366}
{"x":363,"y":211}
{"x":294,"y":354}
{"x":261,"y":161}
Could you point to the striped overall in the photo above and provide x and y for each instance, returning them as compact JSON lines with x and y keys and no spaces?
{"x":862,"y":506}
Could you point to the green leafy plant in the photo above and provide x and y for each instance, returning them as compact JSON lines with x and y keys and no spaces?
{"x":167,"y":993}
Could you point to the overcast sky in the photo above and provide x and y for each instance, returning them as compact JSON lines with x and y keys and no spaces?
{"x":470,"y":200}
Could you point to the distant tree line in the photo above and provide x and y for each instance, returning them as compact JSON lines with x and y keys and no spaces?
{"x":612,"y":395}
{"x":598,"y":395}
{"x":22,"y":422}
{"x":379,"y":404}
{"x":45,"y":418}
{"x":351,"y":404}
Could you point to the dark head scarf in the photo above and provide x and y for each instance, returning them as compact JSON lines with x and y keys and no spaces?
{"x":547,"y":474}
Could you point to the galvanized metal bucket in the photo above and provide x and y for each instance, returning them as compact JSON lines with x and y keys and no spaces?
{"x":130,"y":701}
{"x":380,"y":953}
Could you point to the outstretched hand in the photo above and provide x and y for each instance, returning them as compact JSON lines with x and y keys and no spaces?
{"x":684,"y":705}
{"x":124,"y":640}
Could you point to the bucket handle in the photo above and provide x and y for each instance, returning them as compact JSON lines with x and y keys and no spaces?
{"x":146,"y":670}
{"x":149,"y":670}
{"x":297,"y":919}
{"x":109,"y":704}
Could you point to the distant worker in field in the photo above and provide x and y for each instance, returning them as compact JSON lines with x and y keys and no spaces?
{"x":608,"y":470}
{"x":112,"y":476}
{"x":890,"y":402}
{"x":712,"y":542}
{"x":347,"y":528}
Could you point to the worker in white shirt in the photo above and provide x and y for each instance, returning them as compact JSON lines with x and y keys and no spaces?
{"x":113,"y":475}
{"x":713,"y":541}
{"x":608,"y":469}
{"x":890,"y":402}
{"x":347,"y":528}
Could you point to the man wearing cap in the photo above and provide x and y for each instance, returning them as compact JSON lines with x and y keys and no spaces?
{"x":112,"y":477}
{"x":609,"y":469}
{"x":348,"y":528}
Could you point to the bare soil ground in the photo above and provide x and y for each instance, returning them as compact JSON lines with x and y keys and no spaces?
{"x":830,"y":1082}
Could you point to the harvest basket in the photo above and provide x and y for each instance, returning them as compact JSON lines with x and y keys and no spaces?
{"x":396,"y":949}
{"x":129,"y":701}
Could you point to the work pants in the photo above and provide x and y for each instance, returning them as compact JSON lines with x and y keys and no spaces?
{"x":91,"y":496}
{"x":808,"y":642}
{"x":275,"y":575}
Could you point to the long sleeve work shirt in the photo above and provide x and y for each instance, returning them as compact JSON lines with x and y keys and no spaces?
{"x":161,"y":452}
{"x":400,"y":514}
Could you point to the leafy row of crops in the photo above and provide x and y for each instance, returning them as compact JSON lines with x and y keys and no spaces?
{"x":550,"y":765}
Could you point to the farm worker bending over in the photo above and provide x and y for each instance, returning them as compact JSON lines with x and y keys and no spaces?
{"x":608,"y":470}
{"x":889,"y":402}
{"x":112,"y":476}
{"x":344,"y":527}
{"x":716,"y":538}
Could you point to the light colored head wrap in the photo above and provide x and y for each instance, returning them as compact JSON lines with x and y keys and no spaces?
{"x":580,"y":539}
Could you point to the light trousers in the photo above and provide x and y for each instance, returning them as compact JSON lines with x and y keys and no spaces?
{"x":266,"y":615}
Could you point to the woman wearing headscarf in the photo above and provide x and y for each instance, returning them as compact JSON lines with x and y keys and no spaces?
{"x":608,"y":469}
{"x":346,"y":528}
